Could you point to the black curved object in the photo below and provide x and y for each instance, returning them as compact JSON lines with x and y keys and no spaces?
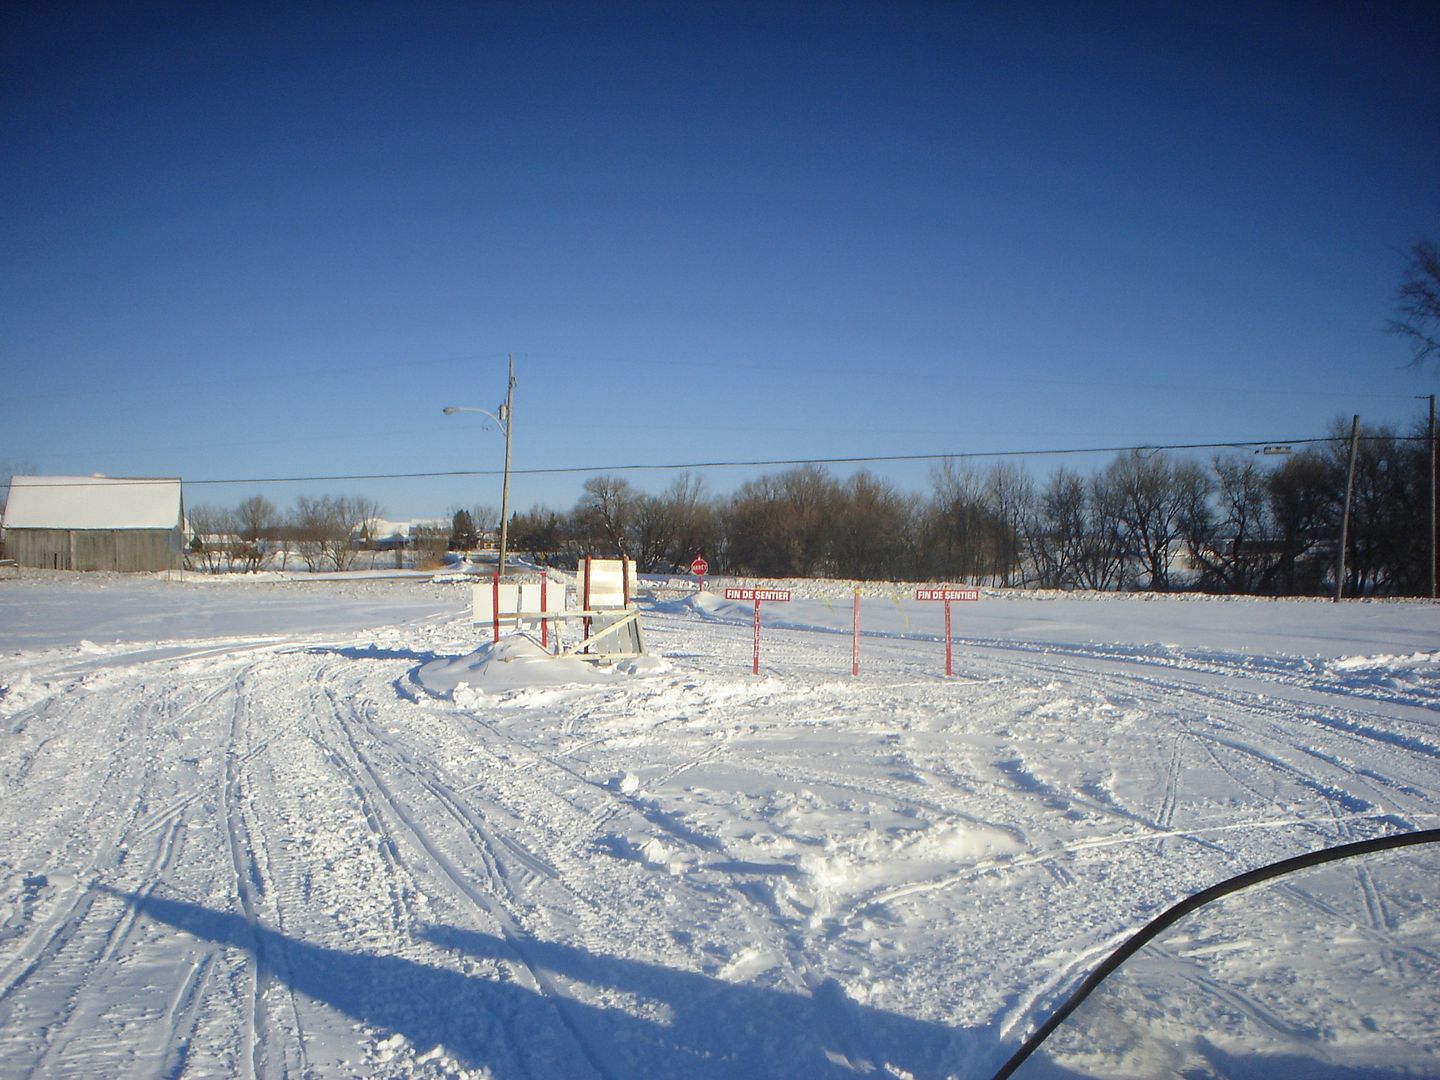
{"x":1174,"y":914}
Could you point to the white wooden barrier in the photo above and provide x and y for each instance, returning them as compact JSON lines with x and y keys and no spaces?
{"x":605,"y":590}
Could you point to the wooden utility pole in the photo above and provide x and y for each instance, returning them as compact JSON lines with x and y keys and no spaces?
{"x":505,"y":421}
{"x":507,"y":426}
{"x":1345,"y":519}
{"x":1432,"y":496}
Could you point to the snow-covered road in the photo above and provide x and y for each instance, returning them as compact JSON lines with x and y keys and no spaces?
{"x":270,"y":836}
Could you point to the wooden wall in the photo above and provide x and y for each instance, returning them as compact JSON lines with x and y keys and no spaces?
{"x":125,"y":550}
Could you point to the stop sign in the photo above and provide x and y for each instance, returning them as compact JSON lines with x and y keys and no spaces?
{"x":699,"y":567}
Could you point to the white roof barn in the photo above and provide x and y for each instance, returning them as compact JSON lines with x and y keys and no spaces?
{"x":94,"y":522}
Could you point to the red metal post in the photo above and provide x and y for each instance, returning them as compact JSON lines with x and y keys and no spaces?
{"x":855,"y":639}
{"x":544,"y":613}
{"x":755,"y":669}
{"x":948,"y":667}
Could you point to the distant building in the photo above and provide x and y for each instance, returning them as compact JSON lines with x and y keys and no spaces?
{"x":381,"y":535}
{"x":134,"y":525}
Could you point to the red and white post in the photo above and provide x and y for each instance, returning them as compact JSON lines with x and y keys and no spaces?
{"x":947,"y":593}
{"x":755,"y":667}
{"x":757,"y":595}
{"x":855,"y":637}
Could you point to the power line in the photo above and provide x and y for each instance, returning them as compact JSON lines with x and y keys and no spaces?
{"x":1254,"y":445}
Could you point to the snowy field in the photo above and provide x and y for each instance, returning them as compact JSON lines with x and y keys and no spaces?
{"x":305,"y":828}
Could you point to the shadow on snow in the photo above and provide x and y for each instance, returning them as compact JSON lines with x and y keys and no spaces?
{"x":640,"y":1019}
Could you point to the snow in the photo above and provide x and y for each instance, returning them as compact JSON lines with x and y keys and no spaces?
{"x":517,"y":662}
{"x":327,"y":828}
{"x":1339,"y":925}
{"x":92,"y":502}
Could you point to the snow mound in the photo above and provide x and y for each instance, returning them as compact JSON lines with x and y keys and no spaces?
{"x":513,"y":663}
{"x":708,"y":605}
{"x":520,"y":662}
{"x":1387,"y":662}
{"x":1416,"y":674}
{"x":698,"y":603}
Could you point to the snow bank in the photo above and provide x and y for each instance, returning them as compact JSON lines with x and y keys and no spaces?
{"x":519,"y":662}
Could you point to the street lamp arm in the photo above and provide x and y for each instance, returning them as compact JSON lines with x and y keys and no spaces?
{"x":451,"y":410}
{"x":507,"y":412}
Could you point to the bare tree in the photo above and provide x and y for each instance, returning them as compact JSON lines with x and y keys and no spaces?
{"x":975,"y":526}
{"x":1389,"y":518}
{"x":1074,"y":534}
{"x":873,"y":529}
{"x":1104,"y":551}
{"x":1151,"y":499}
{"x":328,"y":530}
{"x":429,"y":540}
{"x":362,"y":516}
{"x":1417,"y":303}
{"x":959,"y":534}
{"x":696,"y":523}
{"x":545,"y":535}
{"x":1231,"y":536}
{"x":606,"y":513}
{"x":212,"y":536}
{"x":1010,"y":493}
{"x":654,"y":523}
{"x":1049,"y":532}
{"x":614,"y":516}
{"x":757,"y":539}
{"x":783,"y":525}
{"x":309,"y":522}
{"x":1305,"y":509}
{"x":255,"y":522}
{"x":486,"y":519}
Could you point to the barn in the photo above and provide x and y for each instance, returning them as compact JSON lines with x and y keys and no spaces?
{"x":130,"y":524}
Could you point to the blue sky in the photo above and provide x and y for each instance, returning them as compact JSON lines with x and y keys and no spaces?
{"x":248,"y":241}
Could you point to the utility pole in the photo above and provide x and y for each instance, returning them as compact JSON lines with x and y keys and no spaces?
{"x":502,"y":418}
{"x":1432,"y":496}
{"x":507,"y":425}
{"x":1345,"y":520}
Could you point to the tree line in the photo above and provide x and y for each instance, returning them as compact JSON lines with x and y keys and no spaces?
{"x":1149,"y":520}
{"x":325,"y":533}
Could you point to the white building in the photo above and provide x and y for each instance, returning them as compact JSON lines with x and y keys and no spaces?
{"x":131,"y":524}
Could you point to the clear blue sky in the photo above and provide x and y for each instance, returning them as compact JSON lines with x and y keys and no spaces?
{"x":260,"y":240}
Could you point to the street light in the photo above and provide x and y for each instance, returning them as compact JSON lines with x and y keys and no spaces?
{"x":504,"y":422}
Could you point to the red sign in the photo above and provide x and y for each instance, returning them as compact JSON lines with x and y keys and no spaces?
{"x":757,"y":594}
{"x":699,"y":567}
{"x":947,"y":594}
